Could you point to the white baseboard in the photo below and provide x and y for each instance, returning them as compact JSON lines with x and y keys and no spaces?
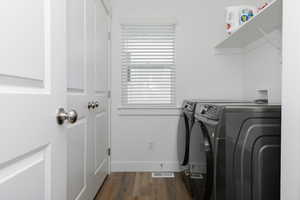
{"x":144,"y":166}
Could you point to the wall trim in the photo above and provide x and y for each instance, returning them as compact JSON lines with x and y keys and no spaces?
{"x":146,"y":166}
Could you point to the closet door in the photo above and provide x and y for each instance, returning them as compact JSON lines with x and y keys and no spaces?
{"x":100,"y":96}
{"x":87,"y":93}
{"x":78,"y":98}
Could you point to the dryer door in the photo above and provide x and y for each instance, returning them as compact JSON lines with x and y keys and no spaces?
{"x":183,"y":139}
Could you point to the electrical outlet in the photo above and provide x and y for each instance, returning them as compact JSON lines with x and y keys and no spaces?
{"x":151,"y":146}
{"x":161,"y":165}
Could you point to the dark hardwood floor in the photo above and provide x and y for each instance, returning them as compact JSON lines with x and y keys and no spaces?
{"x":141,"y":186}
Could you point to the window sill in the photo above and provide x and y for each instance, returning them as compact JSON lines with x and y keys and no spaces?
{"x":149,"y":111}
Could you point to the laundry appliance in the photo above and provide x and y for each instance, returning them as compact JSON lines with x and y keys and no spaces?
{"x":239,"y":154}
{"x":186,"y":122}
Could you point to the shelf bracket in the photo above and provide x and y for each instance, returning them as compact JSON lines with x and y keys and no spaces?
{"x":269,"y":40}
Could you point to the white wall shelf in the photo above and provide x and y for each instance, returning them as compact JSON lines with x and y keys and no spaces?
{"x":263,"y":23}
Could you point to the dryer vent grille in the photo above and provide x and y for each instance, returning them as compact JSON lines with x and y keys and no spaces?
{"x":163,"y":175}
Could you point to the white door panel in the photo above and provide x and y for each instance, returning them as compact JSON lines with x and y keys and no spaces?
{"x":24,"y":26}
{"x":34,"y":165}
{"x":101,"y":141}
{"x":101,"y":48}
{"x":77,"y":157}
{"x":32,"y":88}
{"x":76,"y":48}
{"x":100,"y":136}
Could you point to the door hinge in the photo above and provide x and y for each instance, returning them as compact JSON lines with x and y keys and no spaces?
{"x":109,"y":94}
{"x":109,"y":36}
{"x":108,"y":151}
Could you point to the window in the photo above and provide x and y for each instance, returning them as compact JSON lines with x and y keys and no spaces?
{"x":148,"y":65}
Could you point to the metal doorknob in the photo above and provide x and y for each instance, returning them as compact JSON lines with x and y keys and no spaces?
{"x":91,"y":105}
{"x":62,"y":116}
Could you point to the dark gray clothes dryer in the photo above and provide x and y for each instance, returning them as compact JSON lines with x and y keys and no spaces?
{"x":253,"y":138}
{"x":241,"y":151}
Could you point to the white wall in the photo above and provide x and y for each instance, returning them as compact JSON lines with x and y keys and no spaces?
{"x":262,"y":68}
{"x":142,"y":142}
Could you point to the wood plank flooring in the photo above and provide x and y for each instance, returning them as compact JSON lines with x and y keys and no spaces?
{"x":141,"y":186}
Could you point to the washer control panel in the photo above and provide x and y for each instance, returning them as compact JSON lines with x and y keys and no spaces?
{"x":208,"y":111}
{"x":189,"y":106}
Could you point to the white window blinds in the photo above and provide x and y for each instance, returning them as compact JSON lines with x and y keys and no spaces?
{"x":148,"y":65}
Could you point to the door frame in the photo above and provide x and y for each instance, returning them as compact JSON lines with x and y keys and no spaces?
{"x":290,"y":161}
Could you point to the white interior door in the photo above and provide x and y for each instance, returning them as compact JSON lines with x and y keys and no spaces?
{"x":32,"y":88}
{"x":87,"y":83}
{"x":77,"y":98}
{"x":100,"y":94}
